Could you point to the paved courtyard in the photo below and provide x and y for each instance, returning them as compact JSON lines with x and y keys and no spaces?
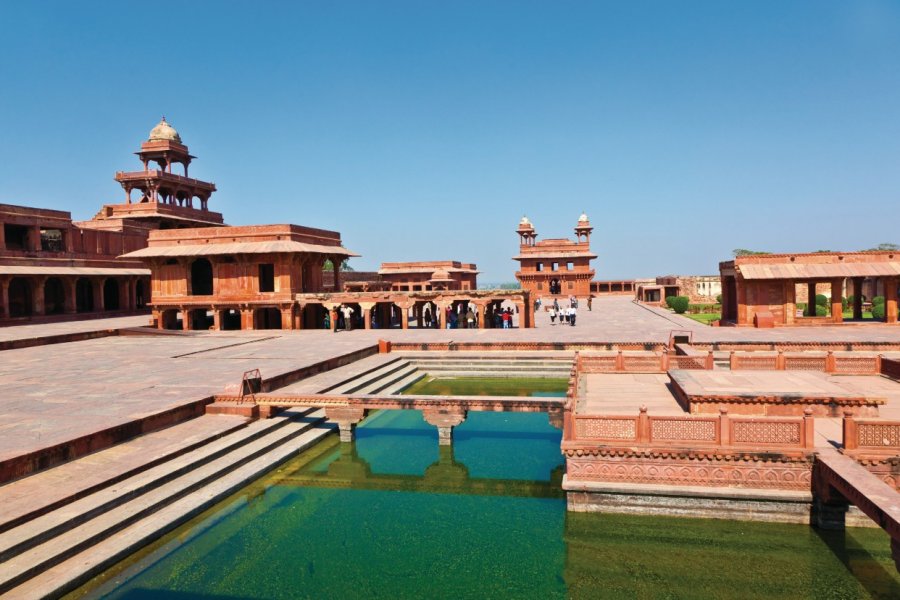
{"x":57,"y":392}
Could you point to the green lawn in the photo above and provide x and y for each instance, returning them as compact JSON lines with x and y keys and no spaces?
{"x":705,"y":318}
{"x":848,"y":314}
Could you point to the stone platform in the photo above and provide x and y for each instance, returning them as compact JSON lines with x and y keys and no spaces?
{"x":775,"y":393}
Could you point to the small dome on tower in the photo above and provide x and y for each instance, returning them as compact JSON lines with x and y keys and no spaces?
{"x":164,"y":132}
{"x":583,"y":218}
{"x":524,"y":222}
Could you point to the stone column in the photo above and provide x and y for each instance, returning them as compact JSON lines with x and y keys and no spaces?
{"x":37,"y":296}
{"x":185,"y":319}
{"x":247,"y":319}
{"x":741,"y":301}
{"x":445,"y":420}
{"x":70,"y":303}
{"x":336,"y":262}
{"x":298,"y":316}
{"x":404,"y":315}
{"x":4,"y":294}
{"x":523,"y":318}
{"x":442,"y":315}
{"x":347,"y":418}
{"x":790,"y":302}
{"x":217,"y":319}
{"x":366,"y":308}
{"x":837,"y":307}
{"x":34,"y":239}
{"x":97,"y":290}
{"x":858,"y":297}
{"x":2,"y":237}
{"x":287,"y":314}
{"x":890,"y":299}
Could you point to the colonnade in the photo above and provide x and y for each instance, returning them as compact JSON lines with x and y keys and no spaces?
{"x":38,"y":296}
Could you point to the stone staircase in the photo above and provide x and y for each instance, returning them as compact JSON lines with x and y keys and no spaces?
{"x":55,"y":548}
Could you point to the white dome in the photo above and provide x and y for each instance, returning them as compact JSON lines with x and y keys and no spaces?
{"x":583,"y":218}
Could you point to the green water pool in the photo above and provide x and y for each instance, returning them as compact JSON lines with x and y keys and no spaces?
{"x":393,"y":515}
{"x":488,"y":386}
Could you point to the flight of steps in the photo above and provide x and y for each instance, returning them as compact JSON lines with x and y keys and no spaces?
{"x":387,"y":378}
{"x":53,"y":553}
{"x":485,"y":365}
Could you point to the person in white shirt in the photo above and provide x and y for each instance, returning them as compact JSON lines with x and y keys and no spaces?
{"x":347,"y":311}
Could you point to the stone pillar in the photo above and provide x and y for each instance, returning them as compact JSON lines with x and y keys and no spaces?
{"x":404,"y":316}
{"x":185,"y":319}
{"x":837,"y":307}
{"x":790,"y":302}
{"x":70,"y":305}
{"x":2,"y":237}
{"x":858,"y":297}
{"x":417,"y":313}
{"x":34,"y":239}
{"x":298,"y":316}
{"x":97,"y":290}
{"x":480,"y":309}
{"x":366,"y":308}
{"x":37,"y":295}
{"x":445,"y":420}
{"x":346,"y":417}
{"x":523,"y":318}
{"x":247,"y":319}
{"x":890,"y":299}
{"x":287,"y":317}
{"x":4,"y":294}
{"x":442,"y":315}
{"x":217,"y":319}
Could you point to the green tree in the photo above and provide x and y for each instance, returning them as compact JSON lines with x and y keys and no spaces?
{"x":345,"y":266}
{"x":744,"y":252}
{"x":885,"y":246}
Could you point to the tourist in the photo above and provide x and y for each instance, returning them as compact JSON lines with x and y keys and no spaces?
{"x":552,"y":315}
{"x":447,"y":314}
{"x":470,"y":318}
{"x":347,"y":313}
{"x":454,"y":320}
{"x":589,"y":302}
{"x":572,"y":313}
{"x":427,"y":316}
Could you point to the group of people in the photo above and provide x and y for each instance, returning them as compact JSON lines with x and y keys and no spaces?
{"x":566,"y":315}
{"x":348,"y":319}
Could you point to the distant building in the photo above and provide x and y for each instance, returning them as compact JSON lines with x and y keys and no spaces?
{"x":700,"y":289}
{"x":763,"y":289}
{"x":429,"y":275}
{"x":555,"y":267}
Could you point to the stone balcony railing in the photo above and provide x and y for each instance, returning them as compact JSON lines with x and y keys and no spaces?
{"x":722,"y":432}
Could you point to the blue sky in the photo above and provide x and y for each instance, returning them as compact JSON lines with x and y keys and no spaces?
{"x":425,"y":130}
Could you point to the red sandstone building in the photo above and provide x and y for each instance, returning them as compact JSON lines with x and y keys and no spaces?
{"x":429,"y":275}
{"x":246,"y":277}
{"x":52,"y":268}
{"x":555,"y":267}
{"x":762,"y":290}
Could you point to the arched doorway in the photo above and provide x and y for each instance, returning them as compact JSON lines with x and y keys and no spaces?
{"x":84,"y":296}
{"x":54,"y":296}
{"x":111,"y":294}
{"x":20,"y":303}
{"x":201,"y":278}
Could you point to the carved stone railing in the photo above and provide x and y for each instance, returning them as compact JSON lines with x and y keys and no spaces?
{"x":869,"y":435}
{"x":642,"y":362}
{"x":825,"y":362}
{"x":722,"y":431}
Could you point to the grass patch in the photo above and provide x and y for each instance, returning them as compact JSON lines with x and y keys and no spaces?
{"x":705,"y":318}
{"x":867,"y":314}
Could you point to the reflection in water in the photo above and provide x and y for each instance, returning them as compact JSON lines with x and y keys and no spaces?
{"x":396,"y":516}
